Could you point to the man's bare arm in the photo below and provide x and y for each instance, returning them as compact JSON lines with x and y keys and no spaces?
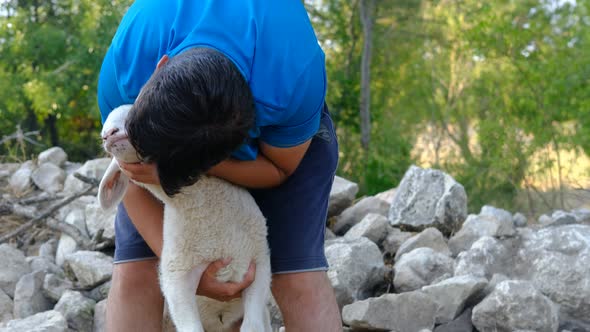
{"x":271,"y":168}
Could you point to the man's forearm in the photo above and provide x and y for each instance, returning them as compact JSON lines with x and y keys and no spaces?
{"x":146,"y":213}
{"x":259,"y":173}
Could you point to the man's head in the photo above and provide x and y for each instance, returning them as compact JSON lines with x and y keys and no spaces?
{"x":194,"y":111}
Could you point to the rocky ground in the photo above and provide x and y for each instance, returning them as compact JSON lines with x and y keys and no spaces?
{"x":410,"y":259}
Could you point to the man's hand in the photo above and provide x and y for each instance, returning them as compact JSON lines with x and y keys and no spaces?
{"x":140,"y":172}
{"x":210,"y":287}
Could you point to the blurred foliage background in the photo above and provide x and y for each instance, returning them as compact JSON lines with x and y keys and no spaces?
{"x":496,"y":93}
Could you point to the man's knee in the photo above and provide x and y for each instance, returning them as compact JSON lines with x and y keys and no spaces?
{"x":304,"y":284}
{"x":135,"y":302}
{"x":307,"y":301}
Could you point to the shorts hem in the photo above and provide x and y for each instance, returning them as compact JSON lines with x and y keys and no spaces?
{"x":309,"y":264}
{"x":131,"y":260}
{"x":317,"y":269}
{"x":130,"y":254}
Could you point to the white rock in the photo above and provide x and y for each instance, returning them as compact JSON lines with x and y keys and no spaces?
{"x":20,"y":182}
{"x":421,"y":267}
{"x":90,"y":268}
{"x":413,"y":311}
{"x":97,"y":218}
{"x":93,"y":168}
{"x":7,"y":169}
{"x":28,"y":296}
{"x":499,"y":214}
{"x":354,"y":214}
{"x":48,"y":249}
{"x":54,"y":286}
{"x":49,"y":178}
{"x":394,"y":240}
{"x":558,"y":260}
{"x":516,"y":305}
{"x":55,"y":155}
{"x":42,"y":263}
{"x":6,"y":306}
{"x":387,"y":195}
{"x":341,"y":195}
{"x":77,"y":309}
{"x":373,"y":226}
{"x":428,"y":198}
{"x":452,"y":294}
{"x":100,"y":317}
{"x":66,"y":244}
{"x":355,"y":268}
{"x":14,"y":266}
{"x":48,"y":321}
{"x":519,"y":220}
{"x":486,"y":257}
{"x":478,"y":226}
{"x":429,"y":238}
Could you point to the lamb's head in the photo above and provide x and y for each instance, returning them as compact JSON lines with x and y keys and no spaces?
{"x":115,"y":141}
{"x":114,"y":136}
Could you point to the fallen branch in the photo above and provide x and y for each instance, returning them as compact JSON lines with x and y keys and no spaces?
{"x":21,"y":136}
{"x":39,"y":199}
{"x":5,"y":209}
{"x":92,"y":181}
{"x":50,"y":210}
{"x":84,"y":242}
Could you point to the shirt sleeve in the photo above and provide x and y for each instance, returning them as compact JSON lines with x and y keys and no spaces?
{"x":306,"y":107}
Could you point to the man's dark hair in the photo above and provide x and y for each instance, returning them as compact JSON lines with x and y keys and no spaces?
{"x":191,"y":114}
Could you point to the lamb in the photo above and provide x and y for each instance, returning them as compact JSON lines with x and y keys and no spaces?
{"x":209,"y":220}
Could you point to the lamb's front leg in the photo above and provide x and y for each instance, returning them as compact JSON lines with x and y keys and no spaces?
{"x":179,"y":288}
{"x":255,"y":300}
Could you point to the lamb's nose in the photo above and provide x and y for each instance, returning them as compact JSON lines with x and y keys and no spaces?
{"x":109,"y":133}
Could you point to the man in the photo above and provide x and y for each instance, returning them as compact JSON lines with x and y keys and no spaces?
{"x":266,"y":54}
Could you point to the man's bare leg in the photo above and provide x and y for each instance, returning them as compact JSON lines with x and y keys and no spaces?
{"x":135,"y":302}
{"x":307,"y":302}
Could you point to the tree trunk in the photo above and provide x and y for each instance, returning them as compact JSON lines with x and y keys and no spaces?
{"x":30,"y":122}
{"x":51,"y":125}
{"x":367,"y":8}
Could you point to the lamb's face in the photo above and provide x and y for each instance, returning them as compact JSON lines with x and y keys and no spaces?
{"x":114,"y":136}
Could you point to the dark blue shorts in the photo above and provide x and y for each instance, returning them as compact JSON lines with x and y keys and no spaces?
{"x":296,"y":211}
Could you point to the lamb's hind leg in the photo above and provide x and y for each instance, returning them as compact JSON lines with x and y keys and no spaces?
{"x":255,"y":300}
{"x":179,"y":288}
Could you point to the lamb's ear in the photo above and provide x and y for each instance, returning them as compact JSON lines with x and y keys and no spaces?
{"x":112,"y":186}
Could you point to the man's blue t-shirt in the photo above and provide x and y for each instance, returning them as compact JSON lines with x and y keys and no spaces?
{"x":271,"y":42}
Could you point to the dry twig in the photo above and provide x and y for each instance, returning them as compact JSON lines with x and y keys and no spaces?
{"x":39,"y":199}
{"x":92,"y":181}
{"x":48,"y":212}
{"x":96,"y":243}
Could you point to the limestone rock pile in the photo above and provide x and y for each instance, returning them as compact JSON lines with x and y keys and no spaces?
{"x":410,"y":260}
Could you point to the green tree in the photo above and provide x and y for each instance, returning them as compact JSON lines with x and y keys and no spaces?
{"x":338,"y":25}
{"x":51,"y":53}
{"x":487,"y":84}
